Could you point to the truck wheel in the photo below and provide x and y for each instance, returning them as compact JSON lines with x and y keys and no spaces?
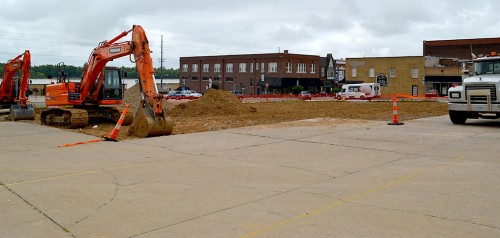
{"x":458,"y":117}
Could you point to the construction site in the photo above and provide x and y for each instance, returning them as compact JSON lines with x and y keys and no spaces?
{"x":93,"y":159}
{"x":218,"y":110}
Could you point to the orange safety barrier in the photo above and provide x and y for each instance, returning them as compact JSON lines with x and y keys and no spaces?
{"x":110,"y":137}
{"x":80,"y":143}
{"x":395,"y":120}
{"x":114,"y":133}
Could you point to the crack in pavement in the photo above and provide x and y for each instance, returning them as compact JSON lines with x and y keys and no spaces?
{"x":423,"y":214}
{"x":38,"y":210}
{"x":117,"y":185}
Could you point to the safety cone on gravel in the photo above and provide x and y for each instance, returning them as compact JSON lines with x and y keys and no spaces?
{"x":114,"y":133}
{"x":395,"y":120}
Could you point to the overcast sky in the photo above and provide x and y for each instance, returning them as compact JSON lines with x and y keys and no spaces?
{"x":67,"y":31}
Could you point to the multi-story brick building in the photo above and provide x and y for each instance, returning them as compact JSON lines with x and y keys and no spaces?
{"x":444,"y":60}
{"x":461,"y":48}
{"x":395,"y":74}
{"x":252,"y":74}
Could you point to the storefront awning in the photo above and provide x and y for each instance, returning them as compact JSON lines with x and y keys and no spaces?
{"x":443,"y":79}
{"x":290,"y":82}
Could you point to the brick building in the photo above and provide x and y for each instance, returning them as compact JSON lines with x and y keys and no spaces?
{"x":252,"y":74}
{"x":461,"y":48}
{"x":444,"y":60}
{"x":395,"y":74}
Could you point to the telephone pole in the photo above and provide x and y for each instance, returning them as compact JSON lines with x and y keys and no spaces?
{"x":161,"y":63}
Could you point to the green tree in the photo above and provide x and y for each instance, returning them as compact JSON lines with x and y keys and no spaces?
{"x":296,"y":89}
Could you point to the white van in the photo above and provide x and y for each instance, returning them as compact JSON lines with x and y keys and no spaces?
{"x":359,"y":91}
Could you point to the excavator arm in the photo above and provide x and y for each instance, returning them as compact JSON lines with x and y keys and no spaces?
{"x":150,"y":119}
{"x":11,"y":68}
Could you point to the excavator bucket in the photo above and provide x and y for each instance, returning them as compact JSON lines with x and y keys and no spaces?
{"x":19,"y":113}
{"x":146,"y":124}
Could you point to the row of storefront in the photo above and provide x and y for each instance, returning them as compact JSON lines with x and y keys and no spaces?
{"x":434,"y":72}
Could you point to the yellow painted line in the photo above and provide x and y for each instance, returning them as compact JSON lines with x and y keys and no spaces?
{"x":36,"y":170}
{"x":73,"y":174}
{"x":55,"y":177}
{"x":339,"y":203}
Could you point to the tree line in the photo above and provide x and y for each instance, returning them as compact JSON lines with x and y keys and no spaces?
{"x":44,"y":71}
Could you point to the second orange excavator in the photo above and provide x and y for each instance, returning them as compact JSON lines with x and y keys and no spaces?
{"x":100,"y":90}
{"x":13,"y":92}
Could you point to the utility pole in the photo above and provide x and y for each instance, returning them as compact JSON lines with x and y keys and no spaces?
{"x":161,"y":63}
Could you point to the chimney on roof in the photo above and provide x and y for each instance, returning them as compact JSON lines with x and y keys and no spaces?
{"x":286,"y":51}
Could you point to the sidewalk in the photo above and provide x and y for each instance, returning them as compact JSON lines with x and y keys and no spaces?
{"x":428,"y":178}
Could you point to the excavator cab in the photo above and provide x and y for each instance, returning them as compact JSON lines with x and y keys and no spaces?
{"x":112,"y":84}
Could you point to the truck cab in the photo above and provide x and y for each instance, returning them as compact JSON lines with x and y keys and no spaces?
{"x":477,"y":97}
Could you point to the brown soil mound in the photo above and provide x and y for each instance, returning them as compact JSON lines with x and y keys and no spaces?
{"x":212,"y":103}
{"x":132,"y":96}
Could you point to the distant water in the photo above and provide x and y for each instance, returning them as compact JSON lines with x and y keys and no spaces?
{"x":128,"y":82}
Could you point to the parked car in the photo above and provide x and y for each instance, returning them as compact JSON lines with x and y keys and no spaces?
{"x":238,"y":94}
{"x":190,"y":94}
{"x":305,"y":95}
{"x":174,"y":95}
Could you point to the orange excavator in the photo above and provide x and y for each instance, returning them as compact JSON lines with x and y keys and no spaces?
{"x":13,"y":92}
{"x":99,"y":92}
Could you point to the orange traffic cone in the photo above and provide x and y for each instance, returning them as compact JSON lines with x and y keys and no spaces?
{"x":114,"y":133}
{"x":395,"y":120}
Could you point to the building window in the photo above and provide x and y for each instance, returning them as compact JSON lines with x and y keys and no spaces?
{"x":217,"y":68}
{"x":185,"y":68}
{"x":392,"y":73}
{"x":229,"y":67}
{"x":323,"y":69}
{"x":243,"y":67}
{"x":273,"y":67}
{"x":289,"y":67}
{"x":414,"y":73}
{"x":313,"y":68}
{"x":229,"y":79}
{"x":371,"y":73}
{"x":353,"y":72}
{"x":204,"y":79}
{"x":301,"y":68}
{"x":194,"y":68}
{"x":256,"y":66}
{"x":251,"y":82}
{"x":251,"y":67}
{"x":205,"y":68}
{"x":194,"y":78}
{"x":262,"y":67}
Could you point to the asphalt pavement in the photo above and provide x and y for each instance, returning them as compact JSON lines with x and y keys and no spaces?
{"x":426,"y":178}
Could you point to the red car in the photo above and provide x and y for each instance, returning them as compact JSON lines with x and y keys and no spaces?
{"x":305,"y":95}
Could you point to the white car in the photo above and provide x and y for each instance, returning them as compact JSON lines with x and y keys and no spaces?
{"x":190,"y":94}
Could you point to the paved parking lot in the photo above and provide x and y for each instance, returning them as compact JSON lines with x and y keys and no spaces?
{"x":427,"y":178}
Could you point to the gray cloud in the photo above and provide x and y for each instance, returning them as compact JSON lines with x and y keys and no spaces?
{"x":57,"y":30}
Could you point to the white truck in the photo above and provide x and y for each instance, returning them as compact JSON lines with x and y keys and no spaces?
{"x":359,"y":91}
{"x":478,"y":95}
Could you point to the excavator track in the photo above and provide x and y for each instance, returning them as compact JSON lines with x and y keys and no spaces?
{"x":66,"y":117}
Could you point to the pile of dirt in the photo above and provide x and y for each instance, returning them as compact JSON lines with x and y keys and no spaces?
{"x":132,"y":96}
{"x":213,"y":103}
